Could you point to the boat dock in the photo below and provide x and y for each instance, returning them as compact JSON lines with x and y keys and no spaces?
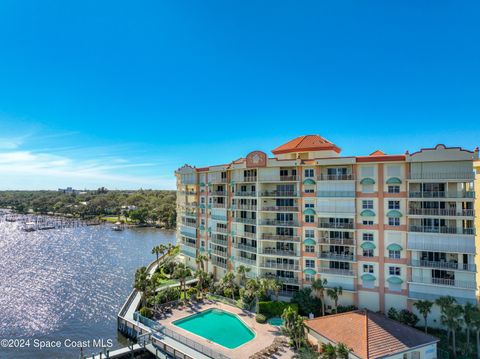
{"x":31,"y":223}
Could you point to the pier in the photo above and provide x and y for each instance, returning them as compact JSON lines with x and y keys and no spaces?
{"x":32,"y":222}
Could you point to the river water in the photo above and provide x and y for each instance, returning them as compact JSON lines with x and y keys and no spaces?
{"x":67,"y":285}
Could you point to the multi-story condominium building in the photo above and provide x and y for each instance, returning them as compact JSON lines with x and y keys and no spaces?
{"x":388,"y":229}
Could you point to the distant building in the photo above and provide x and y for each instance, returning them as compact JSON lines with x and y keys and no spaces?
{"x":370,"y":335}
{"x":68,"y":190}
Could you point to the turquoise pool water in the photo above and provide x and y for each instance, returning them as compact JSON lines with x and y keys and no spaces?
{"x":218,"y":326}
{"x":276,"y":321}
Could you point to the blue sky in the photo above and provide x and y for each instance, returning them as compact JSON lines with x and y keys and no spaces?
{"x":120,"y":94}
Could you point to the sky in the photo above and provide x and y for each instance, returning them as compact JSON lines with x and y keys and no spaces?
{"x":121,"y":93}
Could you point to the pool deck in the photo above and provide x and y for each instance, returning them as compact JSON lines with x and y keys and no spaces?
{"x":264,"y":333}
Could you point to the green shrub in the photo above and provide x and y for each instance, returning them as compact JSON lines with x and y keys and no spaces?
{"x":307,"y":303}
{"x":347,"y":308}
{"x":260,"y":318}
{"x":275,"y":309}
{"x":146,"y":312}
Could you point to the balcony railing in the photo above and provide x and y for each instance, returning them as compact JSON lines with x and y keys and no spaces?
{"x":335,"y":193}
{"x":291,"y":178}
{"x":191,"y":204}
{"x":217,"y":180}
{"x":441,"y":212}
{"x":189,"y":244}
{"x":445,"y":282}
{"x":283,"y":279}
{"x":248,"y":261}
{"x":337,"y":241}
{"x":441,"y":194}
{"x":247,"y":207}
{"x":220,"y":242}
{"x":188,"y":193}
{"x":280,"y":237}
{"x":285,"y":266}
{"x":245,"y":194}
{"x":335,"y":225}
{"x":448,"y":230}
{"x":218,"y":193}
{"x":280,"y":209}
{"x":218,"y":263}
{"x":223,"y":254}
{"x":245,"y":220}
{"x":218,"y":218}
{"x":444,"y":265}
{"x":219,"y":205}
{"x":220,"y":230}
{"x":248,"y":235}
{"x":277,"y":222}
{"x":246,"y":179}
{"x":279,"y":194}
{"x":467,"y":176}
{"x":336,"y":256}
{"x":188,"y":234}
{"x":245,"y":247}
{"x":338,"y":177}
{"x":280,"y":252}
{"x":337,"y":271}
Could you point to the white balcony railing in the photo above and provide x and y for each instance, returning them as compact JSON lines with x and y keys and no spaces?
{"x":461,"y":175}
{"x":441,"y":212}
{"x":441,"y":194}
{"x":443,"y":265}
{"x":280,"y":237}
{"x":445,"y":229}
{"x":445,"y":282}
{"x":337,"y":177}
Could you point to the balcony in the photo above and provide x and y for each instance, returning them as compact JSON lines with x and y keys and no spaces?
{"x":441,"y":194}
{"x":279,"y":209}
{"x":441,"y":212}
{"x":443,"y":265}
{"x":337,"y":241}
{"x":217,"y":180}
{"x":218,"y":253}
{"x":218,"y":193}
{"x":219,"y":205}
{"x":446,"y":230}
{"x":248,"y":235}
{"x":188,"y":234}
{"x":445,"y":282}
{"x":218,"y":241}
{"x":466,"y":176}
{"x":245,"y":220}
{"x":280,"y":237}
{"x":447,"y":243}
{"x":284,"y":266}
{"x":251,"y":262}
{"x":279,"y":252}
{"x":246,"y":179}
{"x":337,"y":177}
{"x":188,"y":193}
{"x":283,"y":279}
{"x":246,"y":207}
{"x":188,"y":252}
{"x":245,"y":194}
{"x":277,"y":222}
{"x":279,"y":193}
{"x":335,"y":193}
{"x":336,"y":256}
{"x":291,"y":178}
{"x":335,"y":225}
{"x":220,"y":230}
{"x":189,"y":244}
{"x":337,"y":271}
{"x":216,"y":217}
{"x":218,"y":263}
{"x":191,"y":204}
{"x":245,"y":247}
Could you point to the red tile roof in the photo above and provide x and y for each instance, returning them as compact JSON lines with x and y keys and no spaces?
{"x":369,"y":335}
{"x":377,"y":153}
{"x":306,"y":143}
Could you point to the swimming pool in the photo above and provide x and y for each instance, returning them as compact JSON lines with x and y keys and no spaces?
{"x":218,"y":326}
{"x":276,"y":321}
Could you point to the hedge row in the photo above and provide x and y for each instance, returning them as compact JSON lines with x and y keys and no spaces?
{"x":275,"y":309}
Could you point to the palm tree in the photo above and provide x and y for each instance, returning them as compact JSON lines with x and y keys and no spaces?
{"x":157,"y":250}
{"x":242,"y":273}
{"x":202,"y":277}
{"x":334,"y":294}
{"x":342,"y":351}
{"x":468,"y":312}
{"x":276,"y":287}
{"x":141,"y":282}
{"x":476,"y":326}
{"x":424,"y":307}
{"x":253,"y":287}
{"x":329,"y":351}
{"x":201,"y":260}
{"x":318,"y":287}
{"x":228,"y":281}
{"x":444,"y":302}
{"x":294,"y":326}
{"x":451,"y":319}
{"x":181,"y":273}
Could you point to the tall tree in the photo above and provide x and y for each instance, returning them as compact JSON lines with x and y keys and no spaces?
{"x":228,"y":281}
{"x":318,"y":287}
{"x":242,"y":273}
{"x":334,"y":294}
{"x":424,"y":307}
{"x":141,"y":282}
{"x":476,"y":327}
{"x":201,"y":261}
{"x":468,"y":317}
{"x":181,"y":273}
{"x":451,"y":318}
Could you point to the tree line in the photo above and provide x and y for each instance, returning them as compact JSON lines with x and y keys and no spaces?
{"x":140,"y":206}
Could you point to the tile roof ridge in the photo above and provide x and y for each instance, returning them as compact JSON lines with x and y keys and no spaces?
{"x":366,"y":333}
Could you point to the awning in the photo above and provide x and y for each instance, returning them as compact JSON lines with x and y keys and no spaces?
{"x":202,"y":227}
{"x":394,"y":214}
{"x":309,"y":242}
{"x":310,"y":271}
{"x":309,"y":211}
{"x":394,"y":180}
{"x":368,"y":245}
{"x":367,"y":180}
{"x":368,"y":277}
{"x":394,"y":247}
{"x":309,"y":181}
{"x":395,"y":280}
{"x":202,"y":184}
{"x":367,"y":213}
{"x":202,"y":206}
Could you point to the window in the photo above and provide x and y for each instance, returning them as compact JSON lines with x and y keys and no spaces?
{"x":309,"y":218}
{"x":367,"y":223}
{"x":368,"y":252}
{"x":309,"y":172}
{"x":309,"y":278}
{"x":367,"y":204}
{"x":309,"y":205}
{"x":368,"y":236}
{"x":394,"y":221}
{"x":309,"y":249}
{"x":309,"y":190}
{"x":393,"y":189}
{"x":309,"y":233}
{"x":309,"y":263}
{"x":367,"y":268}
{"x":394,"y":254}
{"x":393,"y":204}
{"x":394,"y":270}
